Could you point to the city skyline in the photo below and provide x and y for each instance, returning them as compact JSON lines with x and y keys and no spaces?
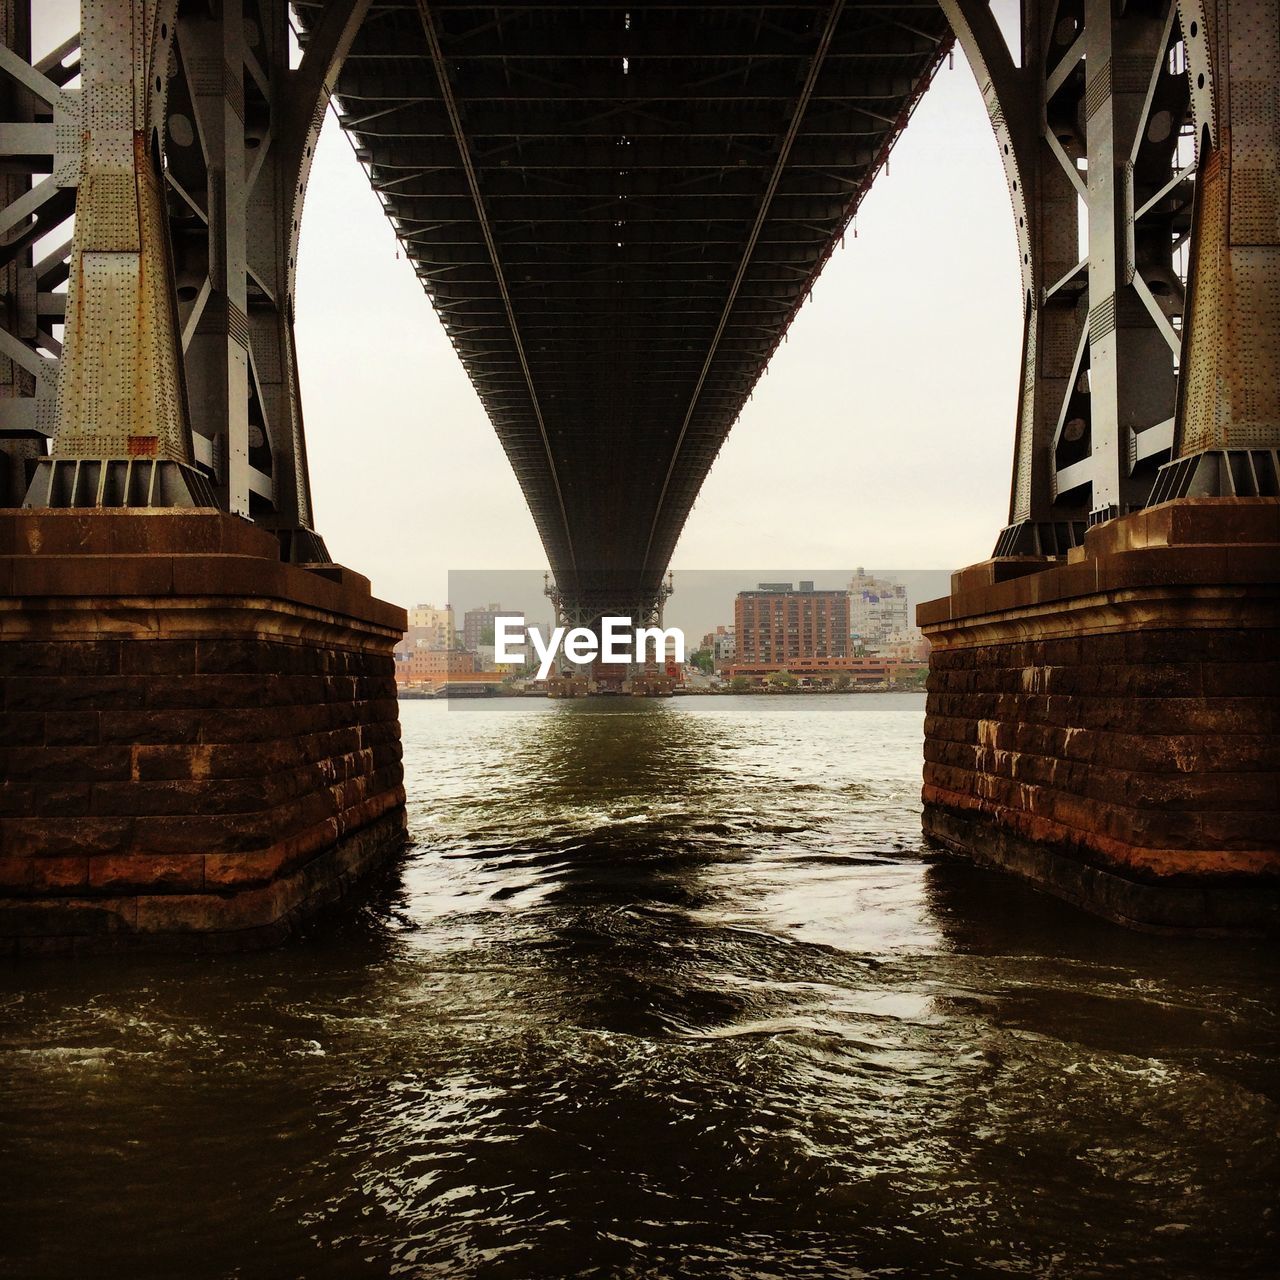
{"x":701,"y":601}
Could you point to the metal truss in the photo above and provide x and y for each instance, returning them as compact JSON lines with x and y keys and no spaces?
{"x":39,"y":126}
{"x":1105,"y":118}
{"x":193,"y":210}
{"x":1092,"y":118}
{"x":241,"y":132}
{"x":617,"y":208}
{"x":578,"y":610}
{"x":574,"y":609}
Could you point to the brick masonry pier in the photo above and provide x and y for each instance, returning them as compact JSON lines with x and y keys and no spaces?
{"x":199,"y":745}
{"x":1107,"y":727}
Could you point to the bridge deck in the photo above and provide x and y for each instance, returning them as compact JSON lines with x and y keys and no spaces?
{"x":616,"y":209}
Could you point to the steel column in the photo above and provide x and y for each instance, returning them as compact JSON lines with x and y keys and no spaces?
{"x":224,"y":133}
{"x":1227,"y":432}
{"x":121,"y":432}
{"x":1043,"y":199}
{"x":213,"y":48}
{"x":284,"y":145}
{"x":1089,"y":116}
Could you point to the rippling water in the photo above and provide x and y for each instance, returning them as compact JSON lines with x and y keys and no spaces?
{"x":664,"y":989}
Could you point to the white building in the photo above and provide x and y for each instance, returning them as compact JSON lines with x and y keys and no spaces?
{"x":879,"y":613}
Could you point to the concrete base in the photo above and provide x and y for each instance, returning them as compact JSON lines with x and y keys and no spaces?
{"x":1107,"y":727}
{"x":199,"y":745}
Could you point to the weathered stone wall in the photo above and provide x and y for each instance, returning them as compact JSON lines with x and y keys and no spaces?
{"x":1109,"y":727}
{"x":198,"y":743}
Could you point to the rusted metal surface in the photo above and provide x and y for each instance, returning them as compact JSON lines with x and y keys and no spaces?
{"x":120,"y":388}
{"x":1232,"y":398}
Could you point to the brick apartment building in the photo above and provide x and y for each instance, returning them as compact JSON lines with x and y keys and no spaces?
{"x":779,"y":623}
{"x":477,"y":624}
{"x":426,"y":666}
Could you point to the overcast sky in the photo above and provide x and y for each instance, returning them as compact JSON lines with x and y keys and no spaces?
{"x":882,"y":432}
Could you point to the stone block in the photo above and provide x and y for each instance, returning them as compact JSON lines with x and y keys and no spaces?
{"x":60,"y":873}
{"x":1228,"y":521}
{"x":204,"y":797}
{"x":38,"y":575}
{"x":157,"y":657}
{"x":140,"y":576}
{"x":150,"y":873}
{"x":74,"y":693}
{"x":234,"y":655}
{"x":16,"y":873}
{"x":40,"y":837}
{"x":72,"y":728}
{"x":58,"y":533}
{"x":144,"y":728}
{"x":1253,"y":565}
{"x":17,"y":796}
{"x":183,"y":727}
{"x":182,"y":762}
{"x":60,"y":799}
{"x":22,"y":728}
{"x":1124,"y":717}
{"x":60,"y":658}
{"x":63,"y":765}
{"x":250,"y":870}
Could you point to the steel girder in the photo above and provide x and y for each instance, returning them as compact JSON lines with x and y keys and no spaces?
{"x":616,"y":210}
{"x":1103,"y":125}
{"x":203,"y":184}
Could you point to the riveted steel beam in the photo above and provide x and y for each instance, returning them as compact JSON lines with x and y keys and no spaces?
{"x":620,"y":153}
{"x":1089,"y":115}
{"x":39,"y":124}
{"x":122,"y":436}
{"x":1227,"y":425}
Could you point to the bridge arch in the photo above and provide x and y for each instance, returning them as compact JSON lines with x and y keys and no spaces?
{"x":1089,"y":120}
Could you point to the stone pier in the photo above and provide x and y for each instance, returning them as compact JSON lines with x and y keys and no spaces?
{"x":199,"y":744}
{"x":1107,"y":726}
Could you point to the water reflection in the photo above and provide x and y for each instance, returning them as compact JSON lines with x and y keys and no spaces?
{"x":666,"y":989}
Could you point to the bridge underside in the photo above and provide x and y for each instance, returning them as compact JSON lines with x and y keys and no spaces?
{"x":616,"y":209}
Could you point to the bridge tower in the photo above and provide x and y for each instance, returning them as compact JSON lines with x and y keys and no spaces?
{"x":200,"y":740}
{"x":1102,"y":705}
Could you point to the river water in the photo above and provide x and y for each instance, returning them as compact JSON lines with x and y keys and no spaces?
{"x":663,"y":989}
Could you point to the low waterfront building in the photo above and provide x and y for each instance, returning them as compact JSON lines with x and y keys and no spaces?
{"x":873,"y":671}
{"x":426,"y":666}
